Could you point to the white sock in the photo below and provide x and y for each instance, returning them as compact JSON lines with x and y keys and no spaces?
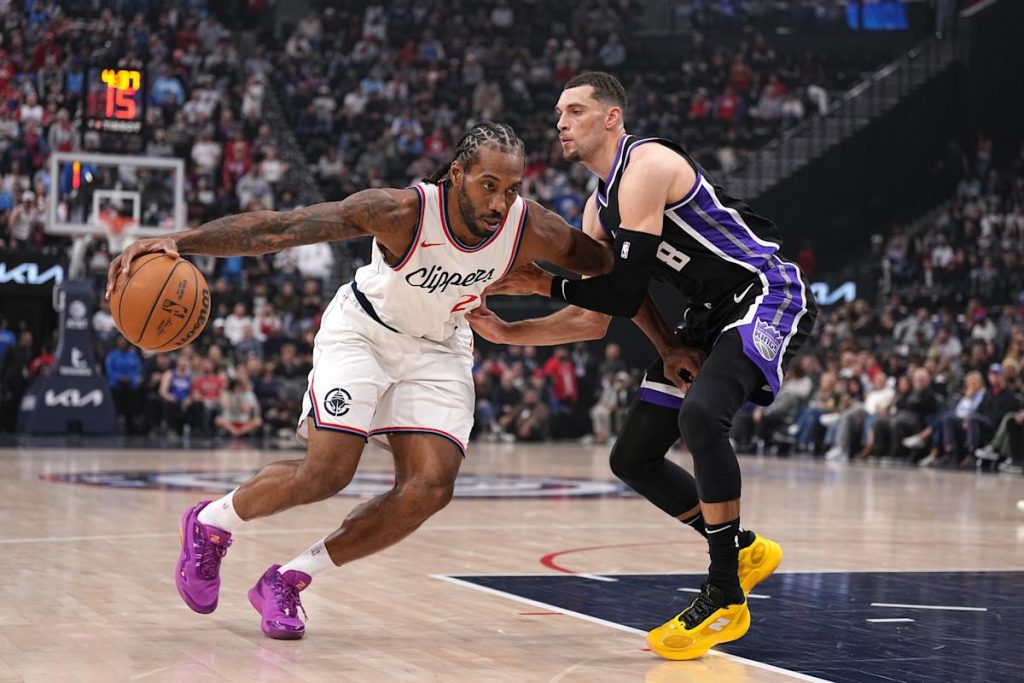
{"x":312,"y":562}
{"x":221,"y":514}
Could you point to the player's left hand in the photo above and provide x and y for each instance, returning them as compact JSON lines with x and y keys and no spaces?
{"x":682,"y":363}
{"x":488,"y":325}
{"x":525,"y":279}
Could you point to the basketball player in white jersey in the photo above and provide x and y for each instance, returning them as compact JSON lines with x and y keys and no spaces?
{"x":392,"y":358}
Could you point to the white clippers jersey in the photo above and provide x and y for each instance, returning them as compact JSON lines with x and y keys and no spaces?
{"x":439,"y":279}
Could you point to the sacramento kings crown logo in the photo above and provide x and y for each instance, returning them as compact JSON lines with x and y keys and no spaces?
{"x":767,"y":339}
{"x":337,"y":401}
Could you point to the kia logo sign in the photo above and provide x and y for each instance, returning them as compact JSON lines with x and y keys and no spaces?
{"x":826,"y":296}
{"x":72,"y":398}
{"x":30,"y":274}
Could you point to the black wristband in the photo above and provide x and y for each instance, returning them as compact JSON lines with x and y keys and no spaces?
{"x":558,"y":288}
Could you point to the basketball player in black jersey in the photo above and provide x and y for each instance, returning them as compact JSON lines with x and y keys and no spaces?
{"x":749,"y":312}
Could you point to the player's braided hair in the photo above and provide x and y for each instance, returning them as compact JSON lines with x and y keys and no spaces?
{"x":500,"y":136}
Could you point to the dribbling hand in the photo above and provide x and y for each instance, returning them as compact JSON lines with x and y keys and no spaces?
{"x":120,"y":265}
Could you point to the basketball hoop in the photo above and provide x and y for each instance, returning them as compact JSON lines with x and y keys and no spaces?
{"x":120,"y":230}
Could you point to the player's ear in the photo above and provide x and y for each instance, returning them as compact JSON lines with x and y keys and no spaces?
{"x":456,"y":173}
{"x":614,"y":118}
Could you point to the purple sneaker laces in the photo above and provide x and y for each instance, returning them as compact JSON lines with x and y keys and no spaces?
{"x":209,"y":555}
{"x":287,"y":596}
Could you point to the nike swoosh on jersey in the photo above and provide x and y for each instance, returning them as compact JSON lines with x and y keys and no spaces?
{"x":431,"y":244}
{"x":739,"y":297}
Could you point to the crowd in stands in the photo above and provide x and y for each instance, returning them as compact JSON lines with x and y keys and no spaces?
{"x":203,"y":104}
{"x":934,"y":375}
{"x":377,"y":94}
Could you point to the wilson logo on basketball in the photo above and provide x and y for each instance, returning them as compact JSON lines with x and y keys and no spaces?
{"x":204,"y":313}
{"x":175,"y":309}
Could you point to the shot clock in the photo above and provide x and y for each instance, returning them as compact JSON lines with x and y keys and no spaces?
{"x":114,"y":109}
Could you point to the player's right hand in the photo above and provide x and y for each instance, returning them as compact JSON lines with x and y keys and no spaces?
{"x":488,"y":325}
{"x":119,"y":266}
{"x":682,"y":364}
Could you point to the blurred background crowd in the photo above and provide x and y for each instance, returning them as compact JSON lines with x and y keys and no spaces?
{"x":364,"y":94}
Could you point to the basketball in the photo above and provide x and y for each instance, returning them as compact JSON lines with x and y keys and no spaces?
{"x":162,"y":304}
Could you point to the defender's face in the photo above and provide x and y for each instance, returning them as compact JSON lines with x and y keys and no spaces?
{"x":581,"y":122}
{"x":487,"y":189}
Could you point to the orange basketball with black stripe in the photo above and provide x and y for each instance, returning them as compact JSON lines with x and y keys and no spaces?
{"x":162,"y":304}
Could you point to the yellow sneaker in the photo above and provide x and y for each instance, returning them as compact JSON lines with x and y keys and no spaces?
{"x":707,"y":622}
{"x":757,"y":562}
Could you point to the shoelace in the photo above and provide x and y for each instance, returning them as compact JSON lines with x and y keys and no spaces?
{"x":208,"y":556}
{"x":699,"y":610}
{"x":287,"y":596}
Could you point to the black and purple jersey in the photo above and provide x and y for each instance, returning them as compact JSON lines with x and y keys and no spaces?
{"x":723,"y":257}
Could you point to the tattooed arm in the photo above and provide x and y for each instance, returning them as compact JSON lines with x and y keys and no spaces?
{"x":388,"y":215}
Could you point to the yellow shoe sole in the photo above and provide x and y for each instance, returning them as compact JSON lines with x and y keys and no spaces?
{"x":674,"y":641}
{"x":757,"y":562}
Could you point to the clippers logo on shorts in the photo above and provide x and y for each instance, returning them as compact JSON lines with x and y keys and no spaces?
{"x":337,"y":401}
{"x":767,"y":339}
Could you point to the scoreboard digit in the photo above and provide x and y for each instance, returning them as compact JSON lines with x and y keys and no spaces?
{"x":115,"y":109}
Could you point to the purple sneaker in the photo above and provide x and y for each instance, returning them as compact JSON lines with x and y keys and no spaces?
{"x":276,"y":598}
{"x":198,"y":573}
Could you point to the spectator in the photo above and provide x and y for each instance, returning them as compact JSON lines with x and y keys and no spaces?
{"x":908,"y":431}
{"x":612,"y":363}
{"x":254,"y":191}
{"x":857,"y":418}
{"x":272,"y":169}
{"x":124,"y":377}
{"x":176,"y":397}
{"x":7,"y":339}
{"x":531,"y":419}
{"x":966,"y":427}
{"x":608,"y":411}
{"x":24,"y":219}
{"x":239,"y":410}
{"x":998,"y":411}
{"x":826,"y":401}
{"x":206,"y":395}
{"x":103,"y":324}
{"x":506,"y":397}
{"x":14,"y":377}
{"x":235,"y":323}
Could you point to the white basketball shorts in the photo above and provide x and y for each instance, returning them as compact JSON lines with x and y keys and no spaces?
{"x":370,"y":381}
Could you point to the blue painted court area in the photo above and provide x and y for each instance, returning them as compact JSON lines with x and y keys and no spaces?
{"x":845,"y":627}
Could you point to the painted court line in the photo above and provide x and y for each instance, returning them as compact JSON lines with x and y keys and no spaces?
{"x":596,"y":577}
{"x":888,"y":621}
{"x":945,"y":607}
{"x":911,"y":570}
{"x":796,"y":675}
{"x":751,"y":595}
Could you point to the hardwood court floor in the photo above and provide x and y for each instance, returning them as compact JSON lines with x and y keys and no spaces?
{"x":87,"y":570}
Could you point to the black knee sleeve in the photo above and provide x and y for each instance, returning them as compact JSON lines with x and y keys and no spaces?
{"x":725,"y":382}
{"x":638,"y":459}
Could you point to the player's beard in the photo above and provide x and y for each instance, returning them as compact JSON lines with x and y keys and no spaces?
{"x":573,"y":155}
{"x":468,"y":214}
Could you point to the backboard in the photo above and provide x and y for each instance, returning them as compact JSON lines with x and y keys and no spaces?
{"x":92,"y":190}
